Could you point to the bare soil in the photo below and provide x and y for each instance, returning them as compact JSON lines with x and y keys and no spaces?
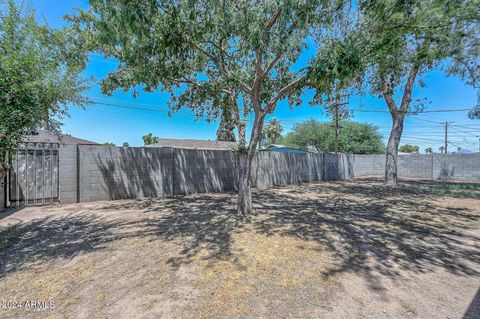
{"x":325,"y":250}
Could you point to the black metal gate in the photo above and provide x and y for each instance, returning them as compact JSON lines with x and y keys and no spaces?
{"x":33,"y":178}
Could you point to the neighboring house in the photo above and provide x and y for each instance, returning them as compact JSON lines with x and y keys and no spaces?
{"x":282,"y":149}
{"x":194,"y":144}
{"x":47,"y":136}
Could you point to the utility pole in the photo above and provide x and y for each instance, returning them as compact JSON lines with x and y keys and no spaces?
{"x":337,"y":124}
{"x":446,"y":135}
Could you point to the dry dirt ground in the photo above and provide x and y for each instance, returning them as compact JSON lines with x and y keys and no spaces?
{"x":325,"y":250}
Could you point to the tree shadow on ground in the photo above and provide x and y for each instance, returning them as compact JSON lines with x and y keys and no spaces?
{"x":367,"y":229}
{"x":473,"y":310}
{"x":404,"y":231}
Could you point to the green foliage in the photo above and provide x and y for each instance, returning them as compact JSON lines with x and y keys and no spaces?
{"x":272,"y":132}
{"x":109,"y":144}
{"x":149,"y":139}
{"x":356,"y":138}
{"x":428,"y":150}
{"x":454,"y":190}
{"x":417,"y":34}
{"x":39,"y":75}
{"x":210,"y":55}
{"x":125,"y":144}
{"x":408,"y":148}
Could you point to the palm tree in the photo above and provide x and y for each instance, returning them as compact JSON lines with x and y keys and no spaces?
{"x":441,"y":148}
{"x":428,"y":150}
{"x":149,"y":139}
{"x":273,"y":130}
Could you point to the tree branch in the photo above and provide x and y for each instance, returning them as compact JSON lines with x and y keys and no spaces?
{"x":286,"y":89}
{"x":271,"y":65}
{"x":220,"y":66}
{"x":272,"y":20}
{"x":388,"y":97}
{"x":475,"y":81}
{"x":407,"y":92}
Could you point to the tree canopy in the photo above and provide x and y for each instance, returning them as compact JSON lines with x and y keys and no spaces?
{"x":408,"y":148}
{"x":272,"y":132}
{"x":39,"y":76}
{"x":356,"y":138}
{"x":213,"y":56}
{"x":406,"y":39}
{"x":149,"y":139}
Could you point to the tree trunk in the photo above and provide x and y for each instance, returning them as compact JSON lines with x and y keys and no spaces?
{"x":244,"y":204}
{"x":3,"y":170}
{"x":245,"y":160}
{"x":392,"y":150}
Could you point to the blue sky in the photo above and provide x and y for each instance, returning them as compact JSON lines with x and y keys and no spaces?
{"x":102,"y":123}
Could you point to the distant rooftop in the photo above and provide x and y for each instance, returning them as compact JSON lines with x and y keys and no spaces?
{"x":194,"y":144}
{"x":46,"y":136}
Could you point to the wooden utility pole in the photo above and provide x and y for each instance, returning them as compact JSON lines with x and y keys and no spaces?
{"x":337,"y":124}
{"x":446,"y":136}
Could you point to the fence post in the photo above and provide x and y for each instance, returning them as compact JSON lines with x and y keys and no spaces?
{"x":324,"y":166}
{"x":173,"y":171}
{"x":431,"y":168}
{"x":78,"y":171}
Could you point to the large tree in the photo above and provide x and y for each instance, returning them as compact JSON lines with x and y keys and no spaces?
{"x":408,"y":39}
{"x":355,"y":138}
{"x":39,"y":77}
{"x":212,"y":55}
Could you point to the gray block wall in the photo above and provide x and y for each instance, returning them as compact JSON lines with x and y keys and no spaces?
{"x":275,"y":168}
{"x":91,"y":173}
{"x":368,"y":165}
{"x":202,"y":171}
{"x":454,"y":167}
{"x":107,"y":173}
{"x":457,"y":167}
{"x":67,"y":177}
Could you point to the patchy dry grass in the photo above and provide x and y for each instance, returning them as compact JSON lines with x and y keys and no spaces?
{"x":329,"y":250}
{"x":269,"y":276}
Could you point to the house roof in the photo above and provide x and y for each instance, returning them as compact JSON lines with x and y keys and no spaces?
{"x":194,"y":144}
{"x":276,"y":146}
{"x":46,"y":136}
{"x":283,"y":148}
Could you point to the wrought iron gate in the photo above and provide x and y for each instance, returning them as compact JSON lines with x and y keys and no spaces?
{"x":33,"y":178}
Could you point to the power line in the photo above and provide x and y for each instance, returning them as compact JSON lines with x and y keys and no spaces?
{"x":414,"y":112}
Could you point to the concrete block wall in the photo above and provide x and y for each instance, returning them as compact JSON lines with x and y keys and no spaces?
{"x":457,"y":167}
{"x":454,"y":167}
{"x":368,"y":165}
{"x":415,"y":166}
{"x":275,"y":168}
{"x":202,"y":171}
{"x":91,"y":172}
{"x":108,"y":173}
{"x":67,"y":177}
{"x":337,"y":167}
